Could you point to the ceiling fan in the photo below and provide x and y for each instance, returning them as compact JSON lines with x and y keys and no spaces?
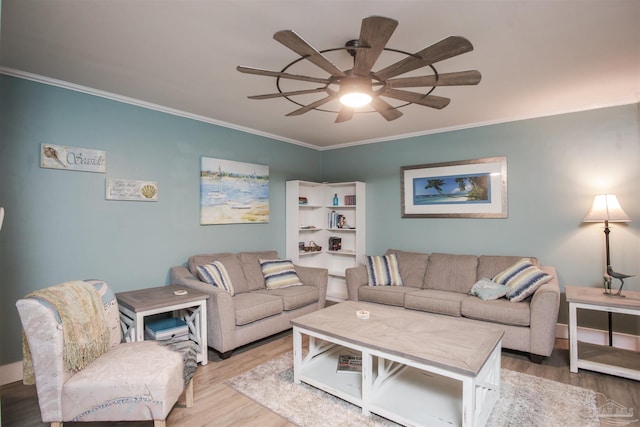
{"x":360,"y":86}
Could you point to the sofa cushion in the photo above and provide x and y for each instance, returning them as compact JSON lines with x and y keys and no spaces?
{"x":294,"y":297}
{"x":522,"y":279}
{"x":436,"y":301}
{"x":252,"y":306}
{"x":279,"y":273}
{"x":216,"y":274}
{"x":486,"y":289}
{"x":497,"y":311}
{"x":389,"y":295}
{"x":412,"y":266}
{"x":490,"y":265}
{"x":449,"y":272}
{"x":251,"y":267}
{"x":383,"y":270}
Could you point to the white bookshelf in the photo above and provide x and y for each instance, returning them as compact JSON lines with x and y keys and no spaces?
{"x":309,"y":222}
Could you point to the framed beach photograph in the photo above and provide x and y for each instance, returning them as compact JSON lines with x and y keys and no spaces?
{"x":465,"y":189}
{"x":233,"y":192}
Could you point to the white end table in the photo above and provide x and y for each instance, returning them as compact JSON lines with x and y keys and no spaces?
{"x":600,"y":358}
{"x":190,"y":307}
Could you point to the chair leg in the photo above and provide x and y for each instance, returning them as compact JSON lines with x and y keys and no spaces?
{"x":188,"y":394}
{"x":159,"y":423}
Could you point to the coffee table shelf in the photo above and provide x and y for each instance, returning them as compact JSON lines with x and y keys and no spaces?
{"x":321,"y":372}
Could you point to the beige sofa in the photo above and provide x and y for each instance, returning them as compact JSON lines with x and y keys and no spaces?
{"x":440,"y":284}
{"x":254,"y":312}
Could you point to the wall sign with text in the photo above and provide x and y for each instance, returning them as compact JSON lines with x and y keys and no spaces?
{"x":132,"y":189}
{"x":72,"y":158}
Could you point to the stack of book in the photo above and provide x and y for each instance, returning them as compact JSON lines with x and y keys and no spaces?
{"x":335,"y":220}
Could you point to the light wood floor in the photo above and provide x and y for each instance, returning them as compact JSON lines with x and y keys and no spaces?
{"x":220,"y":406}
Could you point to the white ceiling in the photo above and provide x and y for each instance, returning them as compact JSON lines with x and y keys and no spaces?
{"x":537,"y":58}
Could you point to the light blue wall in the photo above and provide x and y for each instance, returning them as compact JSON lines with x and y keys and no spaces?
{"x":555,"y":167}
{"x":60,"y":227}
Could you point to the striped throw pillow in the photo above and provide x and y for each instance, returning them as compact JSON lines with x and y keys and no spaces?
{"x":521,"y":279}
{"x":279,"y":273}
{"x":216,"y":274}
{"x":383,"y":270}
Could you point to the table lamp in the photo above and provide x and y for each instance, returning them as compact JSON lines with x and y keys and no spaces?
{"x":607,"y":209}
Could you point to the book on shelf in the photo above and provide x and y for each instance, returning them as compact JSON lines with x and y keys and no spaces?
{"x":349,"y":363}
{"x":350,"y":200}
{"x":337,"y":220}
{"x":335,"y":243}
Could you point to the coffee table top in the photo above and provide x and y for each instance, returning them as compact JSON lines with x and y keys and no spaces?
{"x":162,"y":296}
{"x":435,"y":340}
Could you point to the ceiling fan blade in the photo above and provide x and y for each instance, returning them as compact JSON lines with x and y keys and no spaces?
{"x":432,"y":101}
{"x":447,"y":48}
{"x":260,"y":72}
{"x":345,"y":114}
{"x":313,"y":105}
{"x":293,"y":93}
{"x":297,"y":44}
{"x":375,"y":32}
{"x":385,"y":109}
{"x":471,"y":77}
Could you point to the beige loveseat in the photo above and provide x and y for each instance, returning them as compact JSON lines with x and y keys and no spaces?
{"x":440,"y":283}
{"x":254,"y":312}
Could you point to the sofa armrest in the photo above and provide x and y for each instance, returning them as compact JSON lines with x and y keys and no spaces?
{"x":356,"y":277}
{"x":545,"y":304}
{"x":221,"y":318}
{"x":314,"y":276}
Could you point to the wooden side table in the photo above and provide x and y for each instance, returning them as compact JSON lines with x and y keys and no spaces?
{"x":191,"y":307}
{"x":605,"y":359}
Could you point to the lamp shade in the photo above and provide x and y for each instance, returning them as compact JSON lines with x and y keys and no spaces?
{"x":606,"y":208}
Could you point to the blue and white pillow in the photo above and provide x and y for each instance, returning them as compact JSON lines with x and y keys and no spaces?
{"x":279,"y":273}
{"x":216,"y":274}
{"x":486,"y":289}
{"x":522,"y":279}
{"x":383,"y":270}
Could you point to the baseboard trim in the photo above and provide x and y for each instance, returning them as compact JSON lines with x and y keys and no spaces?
{"x":13,"y":372}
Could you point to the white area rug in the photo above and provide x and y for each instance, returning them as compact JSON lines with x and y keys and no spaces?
{"x":525,"y":400}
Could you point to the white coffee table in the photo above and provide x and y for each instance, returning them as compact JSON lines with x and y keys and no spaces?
{"x":417,"y":369}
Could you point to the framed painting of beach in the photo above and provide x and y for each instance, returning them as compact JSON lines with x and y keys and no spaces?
{"x":466,"y":189}
{"x":233,"y":192}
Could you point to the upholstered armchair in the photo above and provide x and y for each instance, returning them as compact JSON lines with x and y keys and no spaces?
{"x":127,"y":382}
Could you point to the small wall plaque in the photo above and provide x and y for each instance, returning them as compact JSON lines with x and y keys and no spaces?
{"x":131,"y":189}
{"x":72,"y":158}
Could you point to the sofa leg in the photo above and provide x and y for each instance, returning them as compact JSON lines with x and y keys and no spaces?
{"x":536,"y":358}
{"x":226,"y":354}
{"x":159,"y":423}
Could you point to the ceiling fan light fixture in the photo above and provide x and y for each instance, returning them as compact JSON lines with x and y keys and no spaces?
{"x":355,"y":99}
{"x":355,"y":91}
